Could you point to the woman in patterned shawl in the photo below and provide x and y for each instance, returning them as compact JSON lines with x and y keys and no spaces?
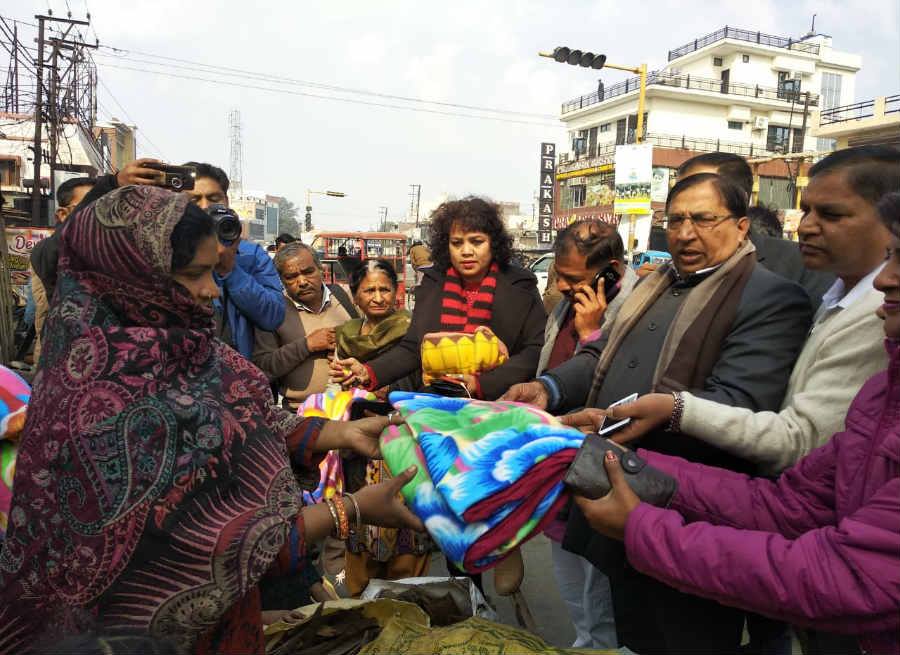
{"x":156,"y":482}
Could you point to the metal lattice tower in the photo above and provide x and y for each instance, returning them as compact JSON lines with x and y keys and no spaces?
{"x":236,"y":171}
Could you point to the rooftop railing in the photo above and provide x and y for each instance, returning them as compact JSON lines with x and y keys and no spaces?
{"x":687,"y":81}
{"x":738,"y":34}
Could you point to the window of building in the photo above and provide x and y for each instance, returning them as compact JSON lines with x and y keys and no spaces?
{"x":788,"y":88}
{"x":735,"y":125}
{"x":798,"y":143}
{"x":9,"y":173}
{"x":831,"y":90}
{"x":777,"y":139}
{"x":717,"y":61}
{"x":579,"y":194}
{"x":592,"y":142}
{"x":605,"y":127}
{"x":825,"y":145}
{"x":621,"y":131}
{"x":745,"y":59}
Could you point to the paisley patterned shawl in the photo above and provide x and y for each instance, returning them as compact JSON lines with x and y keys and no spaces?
{"x":153,"y":485}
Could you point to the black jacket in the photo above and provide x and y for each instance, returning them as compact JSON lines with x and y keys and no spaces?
{"x":518,"y":321}
{"x":45,"y":254}
{"x":783,"y":258}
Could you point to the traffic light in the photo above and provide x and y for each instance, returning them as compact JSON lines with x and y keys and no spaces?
{"x":566,"y":55}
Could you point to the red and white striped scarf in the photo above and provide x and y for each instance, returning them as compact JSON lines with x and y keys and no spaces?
{"x":458,"y":315}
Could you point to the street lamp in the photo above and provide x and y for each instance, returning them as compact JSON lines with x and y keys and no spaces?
{"x":587,"y":59}
{"x":310,"y":192}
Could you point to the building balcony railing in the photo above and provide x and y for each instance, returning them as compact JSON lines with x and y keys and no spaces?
{"x":858,"y":111}
{"x":605,"y":153}
{"x":744,"y":35}
{"x":687,"y":81}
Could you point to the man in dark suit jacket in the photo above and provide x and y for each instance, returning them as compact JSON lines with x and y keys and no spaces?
{"x":714,"y":322}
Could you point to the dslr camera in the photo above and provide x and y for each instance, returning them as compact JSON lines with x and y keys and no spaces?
{"x":228,"y":225}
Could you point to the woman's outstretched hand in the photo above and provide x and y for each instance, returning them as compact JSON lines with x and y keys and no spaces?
{"x":380,"y":504}
{"x":360,"y":436}
{"x":608,"y":515}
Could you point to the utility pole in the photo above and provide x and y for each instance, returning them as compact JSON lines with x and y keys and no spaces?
{"x":384,"y":217}
{"x":236,"y":170}
{"x":414,"y":197}
{"x":38,"y":111}
{"x":59,"y":43}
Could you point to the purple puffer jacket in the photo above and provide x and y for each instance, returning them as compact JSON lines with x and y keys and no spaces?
{"x":819,"y":547}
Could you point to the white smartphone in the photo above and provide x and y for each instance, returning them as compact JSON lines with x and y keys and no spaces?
{"x":606,"y":429}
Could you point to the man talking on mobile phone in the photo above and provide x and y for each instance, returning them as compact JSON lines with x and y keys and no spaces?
{"x":593,"y":281}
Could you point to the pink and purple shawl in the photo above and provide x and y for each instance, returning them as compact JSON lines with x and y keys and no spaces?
{"x":153,"y":486}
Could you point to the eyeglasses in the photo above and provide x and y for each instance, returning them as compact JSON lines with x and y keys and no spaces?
{"x":701,"y":222}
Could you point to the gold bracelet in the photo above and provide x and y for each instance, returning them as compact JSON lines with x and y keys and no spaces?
{"x":358,"y":513}
{"x":337,"y":523}
{"x":344,"y":523}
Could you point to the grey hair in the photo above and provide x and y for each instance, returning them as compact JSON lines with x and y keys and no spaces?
{"x":290,"y":251}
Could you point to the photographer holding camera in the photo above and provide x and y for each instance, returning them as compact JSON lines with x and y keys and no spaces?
{"x":251,"y":289}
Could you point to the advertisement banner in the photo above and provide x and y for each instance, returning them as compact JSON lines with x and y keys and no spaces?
{"x":545,"y":194}
{"x":19,"y":242}
{"x":634,"y":168}
{"x":659,"y":184}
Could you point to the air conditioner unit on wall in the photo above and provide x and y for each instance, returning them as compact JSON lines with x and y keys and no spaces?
{"x":761,"y":123}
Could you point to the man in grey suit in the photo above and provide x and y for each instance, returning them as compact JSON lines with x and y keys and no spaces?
{"x":714,"y":322}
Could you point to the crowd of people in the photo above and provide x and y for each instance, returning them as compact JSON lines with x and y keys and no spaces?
{"x":159,"y":483}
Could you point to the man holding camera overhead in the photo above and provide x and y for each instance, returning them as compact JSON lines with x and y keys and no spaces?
{"x":251,"y":289}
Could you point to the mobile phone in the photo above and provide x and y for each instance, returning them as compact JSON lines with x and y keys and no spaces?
{"x":359,"y":407}
{"x":610,"y":277}
{"x":606,"y":429}
{"x":177,"y":178}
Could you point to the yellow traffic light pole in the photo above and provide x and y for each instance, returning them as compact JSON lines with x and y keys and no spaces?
{"x":641,"y":72}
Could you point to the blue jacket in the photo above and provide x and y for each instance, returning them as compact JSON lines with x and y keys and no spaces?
{"x":251,"y":295}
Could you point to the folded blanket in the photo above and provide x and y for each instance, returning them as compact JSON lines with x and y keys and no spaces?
{"x":490,"y":473}
{"x":334,"y":405}
{"x":14,"y":396}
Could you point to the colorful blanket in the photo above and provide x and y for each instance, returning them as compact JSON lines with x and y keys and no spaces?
{"x":334,"y":405}
{"x":14,"y":396}
{"x":490,"y":473}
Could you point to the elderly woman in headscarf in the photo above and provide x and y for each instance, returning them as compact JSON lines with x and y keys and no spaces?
{"x":156,"y":481}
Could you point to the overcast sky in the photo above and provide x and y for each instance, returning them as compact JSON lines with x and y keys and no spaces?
{"x":466,"y":52}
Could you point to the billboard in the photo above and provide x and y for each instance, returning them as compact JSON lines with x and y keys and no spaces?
{"x":19,"y":243}
{"x":545,"y":194}
{"x":634,"y":172}
{"x":659,"y":184}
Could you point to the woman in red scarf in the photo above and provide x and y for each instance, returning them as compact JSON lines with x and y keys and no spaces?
{"x":471,"y":284}
{"x":156,"y":481}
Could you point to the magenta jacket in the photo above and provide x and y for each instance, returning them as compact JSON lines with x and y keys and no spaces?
{"x":819,"y":547}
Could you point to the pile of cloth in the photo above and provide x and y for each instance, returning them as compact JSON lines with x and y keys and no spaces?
{"x":14,"y":396}
{"x":490,"y":473}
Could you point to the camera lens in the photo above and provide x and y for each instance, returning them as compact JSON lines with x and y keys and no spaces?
{"x":176,"y":182}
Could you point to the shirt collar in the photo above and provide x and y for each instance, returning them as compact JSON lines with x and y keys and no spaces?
{"x":837,"y":297}
{"x":326,"y":298}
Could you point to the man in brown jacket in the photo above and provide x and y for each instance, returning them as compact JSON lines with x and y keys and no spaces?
{"x":296,"y":354}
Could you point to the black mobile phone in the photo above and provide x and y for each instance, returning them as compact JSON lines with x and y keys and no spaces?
{"x":358,"y":408}
{"x":177,"y":178}
{"x":610,"y":277}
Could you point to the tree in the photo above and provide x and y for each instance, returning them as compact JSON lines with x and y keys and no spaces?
{"x":287,"y":218}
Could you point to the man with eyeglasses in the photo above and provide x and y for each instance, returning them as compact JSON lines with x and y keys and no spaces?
{"x":716,"y":323}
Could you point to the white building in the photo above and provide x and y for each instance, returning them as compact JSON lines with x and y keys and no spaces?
{"x":734,"y":90}
{"x":739,"y":90}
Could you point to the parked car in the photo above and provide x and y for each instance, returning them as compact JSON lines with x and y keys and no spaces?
{"x":541,"y":269}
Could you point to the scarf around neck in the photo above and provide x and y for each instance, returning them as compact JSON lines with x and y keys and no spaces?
{"x":456,"y":314}
{"x":153,"y":485}
{"x":351,"y":343}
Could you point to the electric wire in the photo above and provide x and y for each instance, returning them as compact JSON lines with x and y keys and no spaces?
{"x":326,"y":97}
{"x":238,"y":72}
